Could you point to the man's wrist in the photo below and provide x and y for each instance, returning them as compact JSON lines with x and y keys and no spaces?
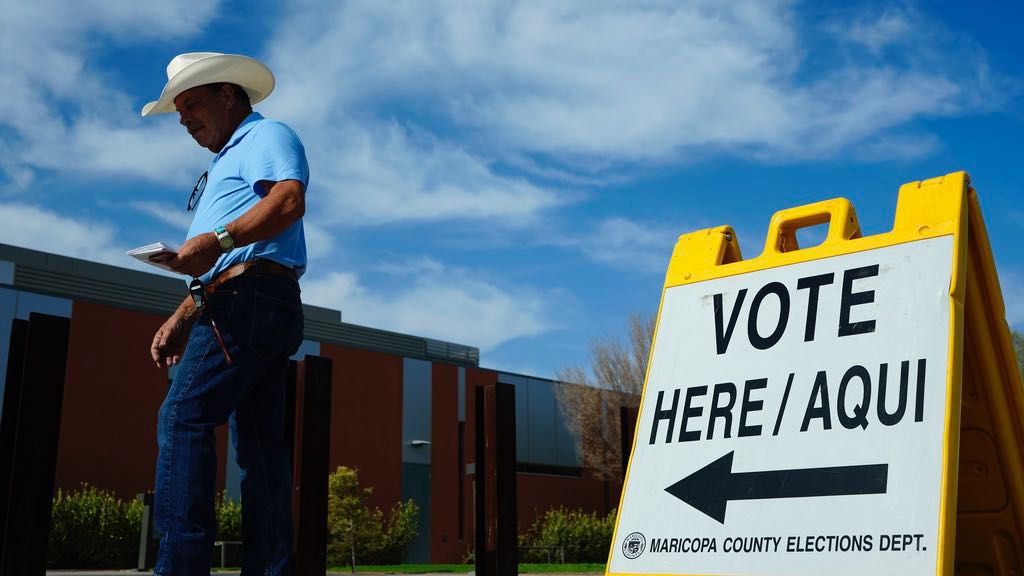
{"x":189,"y":314}
{"x":227,"y":243}
{"x":186,"y":312}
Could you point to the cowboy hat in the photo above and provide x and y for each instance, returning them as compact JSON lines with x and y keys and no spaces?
{"x":193,"y":69}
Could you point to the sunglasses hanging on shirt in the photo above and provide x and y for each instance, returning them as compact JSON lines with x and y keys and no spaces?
{"x":197,"y":193}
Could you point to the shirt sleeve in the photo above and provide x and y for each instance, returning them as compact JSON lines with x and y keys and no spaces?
{"x":276,"y":154}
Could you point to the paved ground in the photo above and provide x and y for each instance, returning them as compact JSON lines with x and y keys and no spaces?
{"x":219,"y":573}
{"x":216,"y":573}
{"x":150,"y":573}
{"x":115,"y":573}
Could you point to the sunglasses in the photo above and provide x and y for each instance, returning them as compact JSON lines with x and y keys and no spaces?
{"x":197,"y":193}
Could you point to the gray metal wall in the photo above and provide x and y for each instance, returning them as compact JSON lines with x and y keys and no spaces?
{"x":541,"y":435}
{"x":416,"y":417}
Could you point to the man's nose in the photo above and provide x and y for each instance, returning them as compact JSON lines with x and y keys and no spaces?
{"x":183,"y":119}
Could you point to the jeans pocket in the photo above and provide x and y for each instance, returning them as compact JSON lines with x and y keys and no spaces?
{"x":276,"y":326}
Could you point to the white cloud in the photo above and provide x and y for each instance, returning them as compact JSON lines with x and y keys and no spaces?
{"x":25,"y":225}
{"x":877,"y":31}
{"x":618,"y":81}
{"x":626,"y":244}
{"x":412,"y":267}
{"x":319,"y":242}
{"x":164,"y":212}
{"x":155,"y":150}
{"x":1012,"y":284}
{"x":67,"y":22}
{"x":37,"y":228}
{"x":440,"y":302}
{"x":902,"y":146}
{"x":61,"y":110}
{"x":428,"y":112}
{"x":371,"y":175}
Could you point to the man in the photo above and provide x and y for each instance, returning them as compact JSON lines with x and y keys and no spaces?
{"x":232,"y":337}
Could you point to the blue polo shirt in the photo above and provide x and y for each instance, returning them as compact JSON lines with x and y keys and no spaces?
{"x":260,"y":149}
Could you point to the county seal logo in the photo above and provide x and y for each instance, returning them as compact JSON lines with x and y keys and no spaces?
{"x":633,"y":546}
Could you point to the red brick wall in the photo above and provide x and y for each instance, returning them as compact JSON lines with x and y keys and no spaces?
{"x":112,"y":393}
{"x":366,"y":419}
{"x":444,"y":466}
{"x":538,"y":493}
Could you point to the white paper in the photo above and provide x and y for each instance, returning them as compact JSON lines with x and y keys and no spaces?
{"x":155,"y":254}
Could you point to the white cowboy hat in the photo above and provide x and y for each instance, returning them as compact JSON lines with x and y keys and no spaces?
{"x":193,"y":69}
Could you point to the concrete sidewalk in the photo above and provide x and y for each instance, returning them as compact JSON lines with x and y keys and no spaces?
{"x":227,"y":573}
{"x":123,"y":573}
{"x":150,"y":573}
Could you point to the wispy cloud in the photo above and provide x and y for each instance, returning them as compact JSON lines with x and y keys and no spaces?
{"x":623,"y":243}
{"x":442,"y":302}
{"x":24,"y":224}
{"x":381,"y":174}
{"x":95,"y":240}
{"x":62,"y":112}
{"x":876,"y":31}
{"x":495,"y":112}
{"x":320,"y":243}
{"x":164,"y":212}
{"x":1012,"y":284}
{"x":620,"y":82}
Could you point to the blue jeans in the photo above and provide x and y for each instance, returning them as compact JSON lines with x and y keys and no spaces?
{"x":260,"y":320}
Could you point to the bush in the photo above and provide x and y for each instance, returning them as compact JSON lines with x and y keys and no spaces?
{"x":229,"y":528}
{"x":229,"y":519}
{"x":92,"y":528}
{"x":359,"y":535}
{"x":583,"y":537}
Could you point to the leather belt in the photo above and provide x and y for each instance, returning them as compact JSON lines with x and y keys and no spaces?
{"x":260,"y":265}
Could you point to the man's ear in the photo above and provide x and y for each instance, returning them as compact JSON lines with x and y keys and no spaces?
{"x":227,"y":92}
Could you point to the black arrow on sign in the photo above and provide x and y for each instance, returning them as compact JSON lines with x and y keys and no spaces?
{"x":710,"y":488}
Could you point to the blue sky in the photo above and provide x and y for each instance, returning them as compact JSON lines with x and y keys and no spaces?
{"x":512,"y":175}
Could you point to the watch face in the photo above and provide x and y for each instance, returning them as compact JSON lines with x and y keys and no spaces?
{"x":225,"y":239}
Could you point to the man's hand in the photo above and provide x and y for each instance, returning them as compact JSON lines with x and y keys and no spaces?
{"x":170,"y":340}
{"x":197,"y":255}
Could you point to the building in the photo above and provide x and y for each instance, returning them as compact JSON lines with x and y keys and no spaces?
{"x":399,"y":402}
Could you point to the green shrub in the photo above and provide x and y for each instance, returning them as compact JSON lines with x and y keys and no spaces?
{"x":92,"y":528}
{"x":229,"y":519}
{"x":359,"y":535}
{"x":229,"y":528}
{"x":583,"y":537}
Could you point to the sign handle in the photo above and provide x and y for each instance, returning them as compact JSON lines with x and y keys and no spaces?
{"x":838,"y":213}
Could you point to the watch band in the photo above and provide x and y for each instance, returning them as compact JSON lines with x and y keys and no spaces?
{"x":227,"y":243}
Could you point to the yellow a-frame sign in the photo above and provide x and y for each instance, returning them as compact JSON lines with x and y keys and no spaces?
{"x":849,"y":408}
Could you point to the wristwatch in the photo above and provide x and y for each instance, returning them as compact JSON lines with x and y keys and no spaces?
{"x":227,"y":243}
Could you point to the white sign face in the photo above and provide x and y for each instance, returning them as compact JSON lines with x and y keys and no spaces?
{"x":793,"y":421}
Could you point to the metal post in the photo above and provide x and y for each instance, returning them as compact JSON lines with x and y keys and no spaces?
{"x":290,"y":399}
{"x":480,"y":516}
{"x":505,"y":464}
{"x":9,"y":423}
{"x":627,"y":427}
{"x":147,"y":544}
{"x":311,"y":467}
{"x":30,"y":499}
